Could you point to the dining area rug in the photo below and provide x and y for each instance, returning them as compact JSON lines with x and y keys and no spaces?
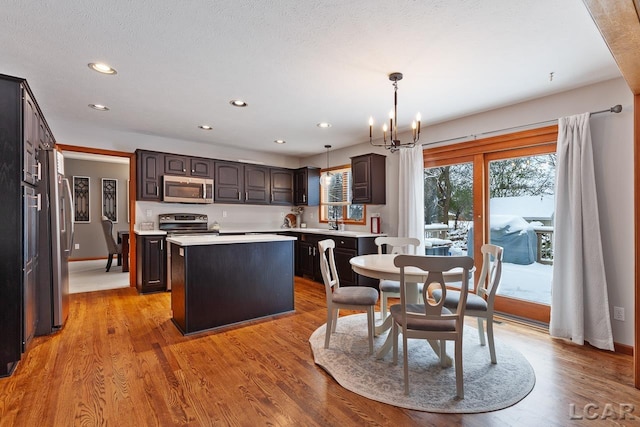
{"x":432,"y":388}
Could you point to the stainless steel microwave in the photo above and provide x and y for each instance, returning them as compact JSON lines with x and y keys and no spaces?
{"x":184,"y":189}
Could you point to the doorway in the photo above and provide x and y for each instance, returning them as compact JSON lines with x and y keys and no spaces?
{"x":102,"y":186}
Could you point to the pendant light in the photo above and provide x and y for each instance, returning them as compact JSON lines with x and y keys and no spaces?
{"x":327,"y":177}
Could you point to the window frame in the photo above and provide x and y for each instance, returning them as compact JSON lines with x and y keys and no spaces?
{"x":518,"y":144}
{"x":323,"y":207}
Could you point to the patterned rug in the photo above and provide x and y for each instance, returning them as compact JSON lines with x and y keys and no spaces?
{"x":487,"y":387}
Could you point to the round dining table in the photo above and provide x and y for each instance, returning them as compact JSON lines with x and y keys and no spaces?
{"x":381,"y":266}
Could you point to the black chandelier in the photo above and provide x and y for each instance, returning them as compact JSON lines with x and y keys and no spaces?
{"x":394,"y":143}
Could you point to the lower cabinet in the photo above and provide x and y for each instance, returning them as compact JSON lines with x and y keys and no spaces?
{"x":152,"y":258}
{"x":308,"y":257}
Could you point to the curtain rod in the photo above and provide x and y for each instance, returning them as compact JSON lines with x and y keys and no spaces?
{"x":615,"y":109}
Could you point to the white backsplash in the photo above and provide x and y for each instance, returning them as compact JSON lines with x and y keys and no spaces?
{"x":228,"y":216}
{"x":249,"y":217}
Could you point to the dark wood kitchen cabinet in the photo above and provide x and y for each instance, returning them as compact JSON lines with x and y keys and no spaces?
{"x":151,"y":254}
{"x":308,"y":257}
{"x":149,"y":173}
{"x":228,"y":182}
{"x":187,"y":166}
{"x":368,"y":182}
{"x":21,"y":123}
{"x":281,"y":186}
{"x":176,"y":165}
{"x":307,"y":187}
{"x":241,"y":183}
{"x":257,"y":185}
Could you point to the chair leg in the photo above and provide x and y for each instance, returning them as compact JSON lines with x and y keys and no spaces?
{"x":119,"y":259}
{"x":394,"y":331}
{"x":109,"y":261}
{"x":336,"y":311}
{"x":492,"y":346}
{"x":481,"y":331}
{"x":327,"y":334}
{"x":370,"y":326}
{"x":443,"y":353}
{"x":405,"y":354}
{"x":459,"y":372}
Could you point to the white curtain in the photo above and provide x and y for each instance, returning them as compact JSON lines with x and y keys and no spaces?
{"x":579,"y":302}
{"x":411,"y":195}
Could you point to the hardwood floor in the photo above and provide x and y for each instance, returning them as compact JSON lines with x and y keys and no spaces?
{"x":120,"y":361}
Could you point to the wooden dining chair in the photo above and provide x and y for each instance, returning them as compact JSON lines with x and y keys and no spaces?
{"x":391,"y":288}
{"x":350,"y":297}
{"x":112,"y":247}
{"x":480,"y":303}
{"x":431,"y":320}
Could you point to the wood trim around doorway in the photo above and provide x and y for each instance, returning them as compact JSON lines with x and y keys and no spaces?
{"x":132,"y":196}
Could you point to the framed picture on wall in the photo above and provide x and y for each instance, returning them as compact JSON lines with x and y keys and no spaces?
{"x":81,"y":194}
{"x":110,"y":198}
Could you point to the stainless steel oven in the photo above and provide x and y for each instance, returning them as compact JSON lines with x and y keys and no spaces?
{"x":176,"y":224}
{"x":184,"y":189}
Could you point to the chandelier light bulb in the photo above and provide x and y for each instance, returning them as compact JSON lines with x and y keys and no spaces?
{"x":391,"y":114}
{"x":370,"y":121}
{"x":384,"y":127}
{"x":414,"y":126}
{"x":418,"y":117}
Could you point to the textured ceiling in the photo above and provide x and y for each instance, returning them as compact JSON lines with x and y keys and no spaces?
{"x":295,"y":62}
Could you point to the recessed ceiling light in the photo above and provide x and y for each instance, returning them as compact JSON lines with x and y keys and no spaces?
{"x":324,"y":125}
{"x":238,"y":103}
{"x":99,"y":107}
{"x":205,"y":127}
{"x":280,"y":141}
{"x":102,"y":68}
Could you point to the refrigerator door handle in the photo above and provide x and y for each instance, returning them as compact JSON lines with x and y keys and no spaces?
{"x":68,"y":213}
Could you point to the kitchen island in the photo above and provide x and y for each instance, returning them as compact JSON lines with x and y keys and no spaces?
{"x":218,"y":281}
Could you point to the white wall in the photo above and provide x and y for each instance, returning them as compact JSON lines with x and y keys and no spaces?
{"x":129,"y":141}
{"x":612,"y":136}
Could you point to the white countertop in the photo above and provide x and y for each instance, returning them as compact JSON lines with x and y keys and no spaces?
{"x":212,"y":239}
{"x":326,"y":231}
{"x":150,"y":232}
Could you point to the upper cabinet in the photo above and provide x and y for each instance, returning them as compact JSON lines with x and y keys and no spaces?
{"x":368,"y":183}
{"x":281,"y":186}
{"x":33,"y":131}
{"x":200,"y":167}
{"x":307,"y":187}
{"x":228,"y":182}
{"x":233,"y":182}
{"x":187,"y":166}
{"x":241,"y":183}
{"x":149,"y":173}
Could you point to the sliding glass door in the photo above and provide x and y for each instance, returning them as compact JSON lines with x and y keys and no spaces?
{"x":501,"y":191}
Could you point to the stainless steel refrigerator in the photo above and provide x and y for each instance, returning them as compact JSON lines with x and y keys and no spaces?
{"x":56,"y":242}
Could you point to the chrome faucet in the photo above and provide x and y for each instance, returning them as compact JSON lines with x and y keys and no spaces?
{"x":333,"y":224}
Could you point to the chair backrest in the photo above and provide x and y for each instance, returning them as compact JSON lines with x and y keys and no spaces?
{"x":398,"y":245}
{"x":107,"y":228}
{"x":328,"y":267}
{"x":491,"y":271}
{"x":435,"y":266}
